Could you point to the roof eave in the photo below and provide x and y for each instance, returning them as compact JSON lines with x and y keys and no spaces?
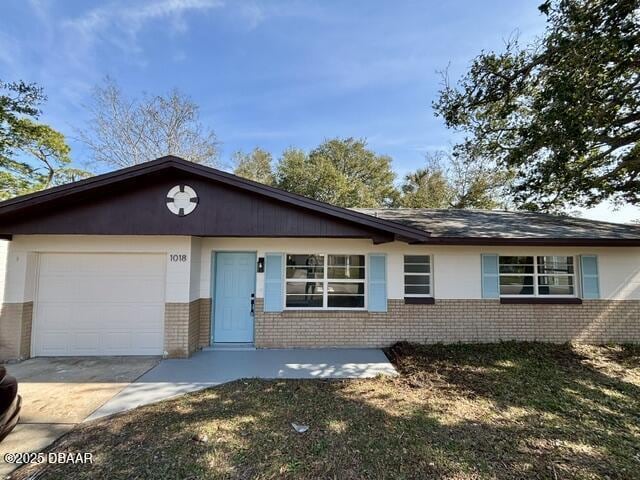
{"x":37,"y":198}
{"x":538,"y":242}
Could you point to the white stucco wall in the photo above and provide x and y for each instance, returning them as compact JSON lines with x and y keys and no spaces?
{"x":21,"y":266}
{"x":619,"y":273}
{"x":4,"y":252}
{"x":456,"y":269}
{"x":195,"y":264}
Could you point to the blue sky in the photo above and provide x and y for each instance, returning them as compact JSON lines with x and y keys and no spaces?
{"x":271,"y":74}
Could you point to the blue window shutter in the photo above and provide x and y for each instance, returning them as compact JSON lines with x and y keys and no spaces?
{"x":377,"y":282}
{"x":273,"y":288}
{"x":590,"y":282}
{"x":490,"y":277}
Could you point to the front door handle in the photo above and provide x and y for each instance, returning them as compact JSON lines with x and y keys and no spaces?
{"x":253,"y":303}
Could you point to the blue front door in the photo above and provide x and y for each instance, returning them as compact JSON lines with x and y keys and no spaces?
{"x":234,"y":286}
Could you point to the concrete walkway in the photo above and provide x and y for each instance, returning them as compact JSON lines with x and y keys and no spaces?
{"x":210,"y":368}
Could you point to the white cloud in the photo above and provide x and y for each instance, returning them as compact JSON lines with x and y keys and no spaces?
{"x":129,"y":20}
{"x":62,"y":51}
{"x":253,"y":14}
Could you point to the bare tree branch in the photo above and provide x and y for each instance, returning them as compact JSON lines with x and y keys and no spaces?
{"x":124,"y":132}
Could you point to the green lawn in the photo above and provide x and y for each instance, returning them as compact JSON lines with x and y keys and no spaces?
{"x":512,"y":410}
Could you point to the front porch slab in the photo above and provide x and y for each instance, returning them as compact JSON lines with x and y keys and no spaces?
{"x":210,"y":368}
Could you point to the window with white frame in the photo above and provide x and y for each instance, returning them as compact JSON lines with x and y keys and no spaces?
{"x":417,"y":276}
{"x":324,"y":281}
{"x":537,"y":276}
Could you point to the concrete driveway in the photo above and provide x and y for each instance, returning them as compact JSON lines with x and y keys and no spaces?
{"x":58,"y":393}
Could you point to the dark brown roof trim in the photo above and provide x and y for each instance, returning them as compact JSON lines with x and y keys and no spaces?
{"x":538,"y":242}
{"x":403,"y":232}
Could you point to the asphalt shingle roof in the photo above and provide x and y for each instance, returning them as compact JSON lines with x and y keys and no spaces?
{"x":492,"y":224}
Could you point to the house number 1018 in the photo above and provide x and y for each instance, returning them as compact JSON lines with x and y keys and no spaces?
{"x":178,"y":257}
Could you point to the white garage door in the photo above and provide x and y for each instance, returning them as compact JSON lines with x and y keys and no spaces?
{"x":99,"y":304}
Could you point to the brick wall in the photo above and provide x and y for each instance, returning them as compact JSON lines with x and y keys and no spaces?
{"x":181,"y":328}
{"x":25,"y":337}
{"x":205,"y":322}
{"x":194,"y":326}
{"x":187,"y":325}
{"x":449,"y":321}
{"x":15,"y":330}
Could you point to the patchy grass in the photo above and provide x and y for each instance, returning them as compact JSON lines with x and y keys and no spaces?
{"x":511,"y":410}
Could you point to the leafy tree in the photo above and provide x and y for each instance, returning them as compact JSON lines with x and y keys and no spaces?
{"x":124,"y":132}
{"x":292,"y":174}
{"x":449,"y":181}
{"x":563,"y":112}
{"x":255,"y":166}
{"x":33,"y":156}
{"x":478,"y":183}
{"x":342,"y":172}
{"x":427,"y":187}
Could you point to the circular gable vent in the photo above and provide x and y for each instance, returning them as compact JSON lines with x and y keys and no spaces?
{"x":182,"y":200}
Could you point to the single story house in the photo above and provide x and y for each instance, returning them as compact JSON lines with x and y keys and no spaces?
{"x":167,"y":257}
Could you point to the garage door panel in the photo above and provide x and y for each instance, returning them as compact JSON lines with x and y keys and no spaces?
{"x":57,"y":264}
{"x":147,"y":344}
{"x":121,"y":342}
{"x":137,"y":290}
{"x":56,"y":288}
{"x":118,"y":341}
{"x":119,"y":289}
{"x":108,"y":263}
{"x":100,"y":304}
{"x":57,"y":316}
{"x":54,"y":344}
{"x":85,"y":343}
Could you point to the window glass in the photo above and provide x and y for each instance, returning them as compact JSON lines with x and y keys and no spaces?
{"x":345,"y":267}
{"x":416,"y":290}
{"x":417,"y":275}
{"x":319,"y":281}
{"x":536,"y":276}
{"x":555,"y":265}
{"x":516,"y":265}
{"x":557,"y":285}
{"x":515,"y":260}
{"x":305,"y":266}
{"x":347,"y":295}
{"x":416,"y":259}
{"x":416,"y":279}
{"x":304,"y":301}
{"x":417,"y":268}
{"x":346,"y":261}
{"x":305,"y":288}
{"x":343,"y":288}
{"x":516,"y":289}
{"x":346,"y":272}
{"x":346,"y":301}
{"x":516,"y":280}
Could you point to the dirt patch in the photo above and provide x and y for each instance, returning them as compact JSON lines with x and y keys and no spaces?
{"x":67,"y":390}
